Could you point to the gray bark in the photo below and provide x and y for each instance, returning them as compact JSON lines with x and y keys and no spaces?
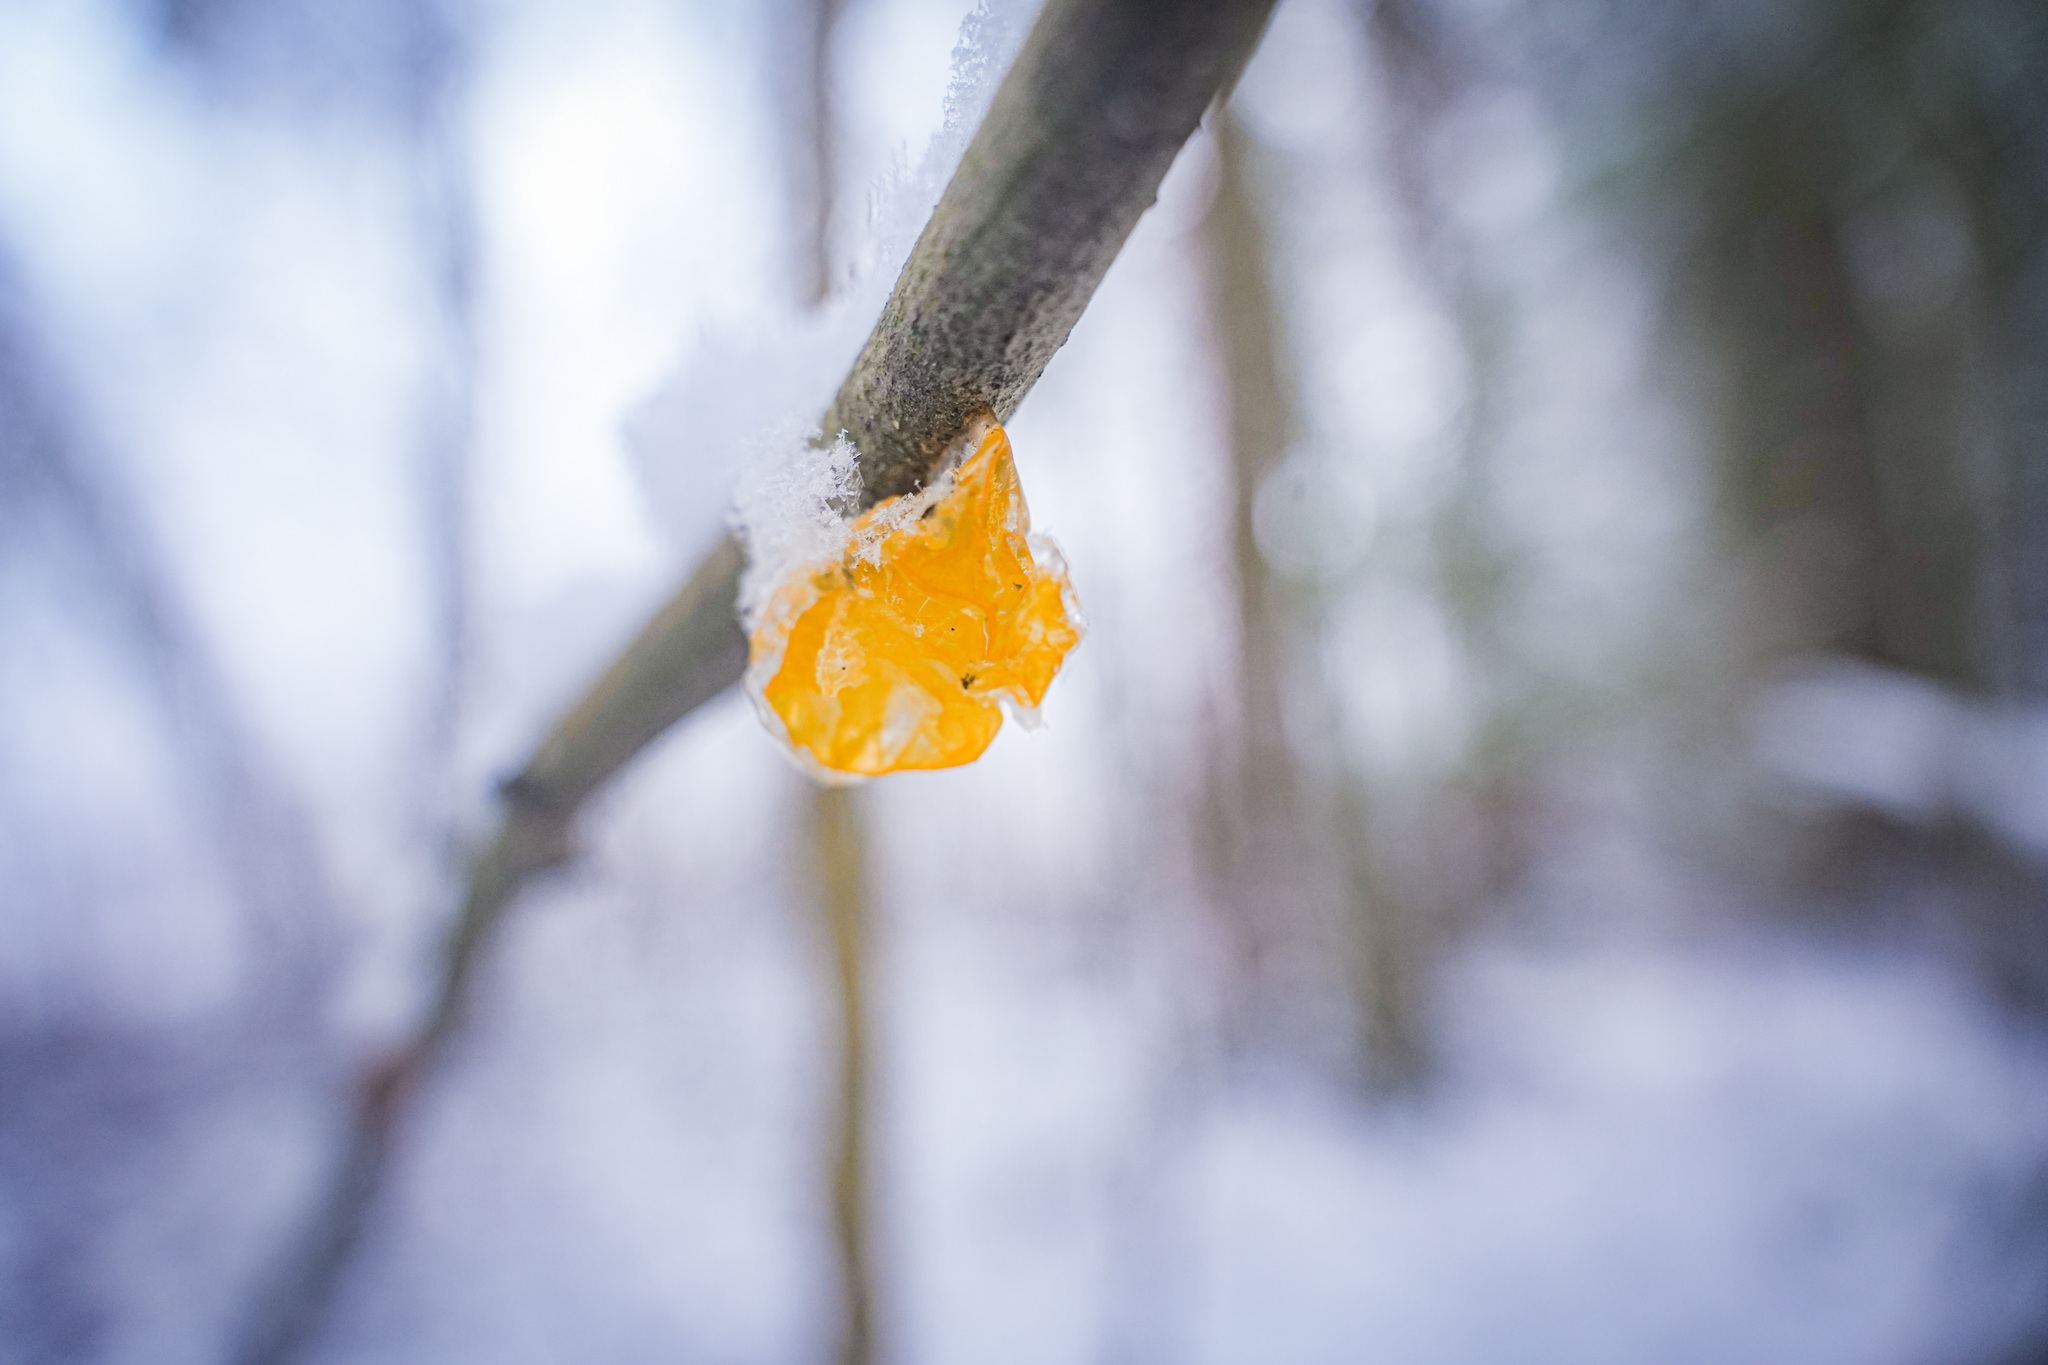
{"x":1071,"y":155}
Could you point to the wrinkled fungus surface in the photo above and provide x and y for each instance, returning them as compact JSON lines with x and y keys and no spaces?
{"x":897,"y":655}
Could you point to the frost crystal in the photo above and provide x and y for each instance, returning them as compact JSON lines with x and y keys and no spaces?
{"x":791,"y":509}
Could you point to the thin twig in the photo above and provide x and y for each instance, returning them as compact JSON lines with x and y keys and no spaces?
{"x":1254,"y":806}
{"x":836,"y":830}
{"x":1071,"y":154}
{"x":839,"y":838}
{"x":813,"y":143}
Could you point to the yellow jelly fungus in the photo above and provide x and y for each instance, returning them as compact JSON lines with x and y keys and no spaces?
{"x":895,"y":657}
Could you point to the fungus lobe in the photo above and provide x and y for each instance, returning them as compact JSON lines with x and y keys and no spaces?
{"x":898,"y":654}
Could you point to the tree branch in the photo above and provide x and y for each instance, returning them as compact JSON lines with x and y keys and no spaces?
{"x":1070,"y":156}
{"x":1072,"y":152}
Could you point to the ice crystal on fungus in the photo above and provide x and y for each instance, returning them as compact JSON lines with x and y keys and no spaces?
{"x":896,"y":655}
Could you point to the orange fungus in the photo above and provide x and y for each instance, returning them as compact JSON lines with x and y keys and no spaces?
{"x":896,"y":655}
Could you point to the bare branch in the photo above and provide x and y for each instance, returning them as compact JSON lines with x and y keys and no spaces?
{"x":1071,"y":154}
